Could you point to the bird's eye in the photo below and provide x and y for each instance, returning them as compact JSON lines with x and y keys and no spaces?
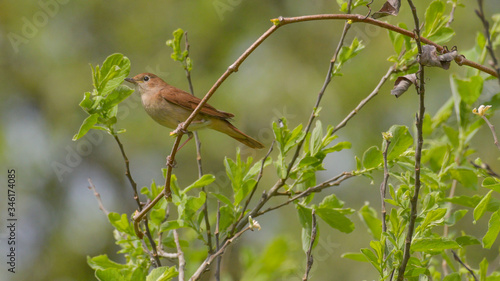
{"x":146,"y":78}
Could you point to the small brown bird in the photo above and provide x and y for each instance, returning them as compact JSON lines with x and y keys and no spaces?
{"x":170,"y":106}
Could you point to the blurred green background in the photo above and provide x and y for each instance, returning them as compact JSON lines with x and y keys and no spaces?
{"x":46,"y":47}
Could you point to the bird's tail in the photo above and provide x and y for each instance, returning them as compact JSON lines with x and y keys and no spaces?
{"x":227,"y":128}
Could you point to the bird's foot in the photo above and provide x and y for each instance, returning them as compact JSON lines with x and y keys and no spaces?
{"x":179,"y":130}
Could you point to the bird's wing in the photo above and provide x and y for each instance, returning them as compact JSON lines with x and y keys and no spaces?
{"x":190,"y":102}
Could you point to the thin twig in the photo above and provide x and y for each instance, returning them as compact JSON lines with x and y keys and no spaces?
{"x":487,"y":168}
{"x":138,"y":216}
{"x":98,"y":197}
{"x":317,"y":188}
{"x":452,"y":14}
{"x":154,"y":254}
{"x":217,"y":245}
{"x":211,"y":257}
{"x":310,"y":260}
{"x":489,"y":47}
{"x":383,"y":186}
{"x":167,"y":255}
{"x":375,"y":91}
{"x":457,"y":258}
{"x":127,"y":171}
{"x":418,"y":150}
{"x":460,"y":60}
{"x":492,"y":129}
{"x":198,"y":155}
{"x":180,"y":256}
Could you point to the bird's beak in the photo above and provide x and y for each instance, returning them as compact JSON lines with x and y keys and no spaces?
{"x":131,"y":80}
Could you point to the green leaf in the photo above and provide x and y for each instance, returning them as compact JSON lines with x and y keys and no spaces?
{"x":359,"y":166}
{"x":435,"y":156}
{"x":336,"y":218}
{"x":293,"y":138}
{"x":157,"y":216}
{"x":469,"y":89}
{"x":87,"y":102}
{"x":190,"y":205}
{"x":103,"y":262}
{"x":305,"y":219}
{"x":483,"y":269}
{"x":116,"y":96}
{"x":355,"y":257}
{"x":372,"y":158}
{"x":169,"y":225}
{"x":337,"y":147}
{"x":114,"y":70}
{"x":331,"y":201}
{"x":201,"y":182}
{"x":227,"y":218}
{"x":401,"y":140}
{"x":455,"y":276}
{"x":255,"y":169}
{"x":174,"y":186}
{"x":433,"y":218}
{"x":163,"y":273}
{"x":110,"y":274}
{"x":243,"y":192}
{"x":189,"y":64}
{"x":434,"y":17}
{"x":456,"y":216}
{"x":467,"y":240}
{"x":472,"y":202}
{"x":281,"y":166}
{"x":427,"y":125}
{"x":87,"y":124}
{"x":347,"y":53}
{"x":316,"y":136}
{"x":369,"y":217}
{"x":175,"y":44}
{"x":443,"y":35}
{"x":466,"y":176}
{"x":452,"y":135}
{"x":236,"y":170}
{"x":481,"y":206}
{"x":223,"y":199}
{"x":397,"y":41}
{"x":457,"y":100}
{"x":121,"y":223}
{"x":372,"y":258}
{"x":491,"y":183}
{"x":433,"y":244}
{"x":493,"y":230}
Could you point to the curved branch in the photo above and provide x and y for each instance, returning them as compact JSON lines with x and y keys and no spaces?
{"x":460,"y":60}
{"x":278,"y":22}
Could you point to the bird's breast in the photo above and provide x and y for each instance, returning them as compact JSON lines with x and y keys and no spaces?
{"x":170,"y":115}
